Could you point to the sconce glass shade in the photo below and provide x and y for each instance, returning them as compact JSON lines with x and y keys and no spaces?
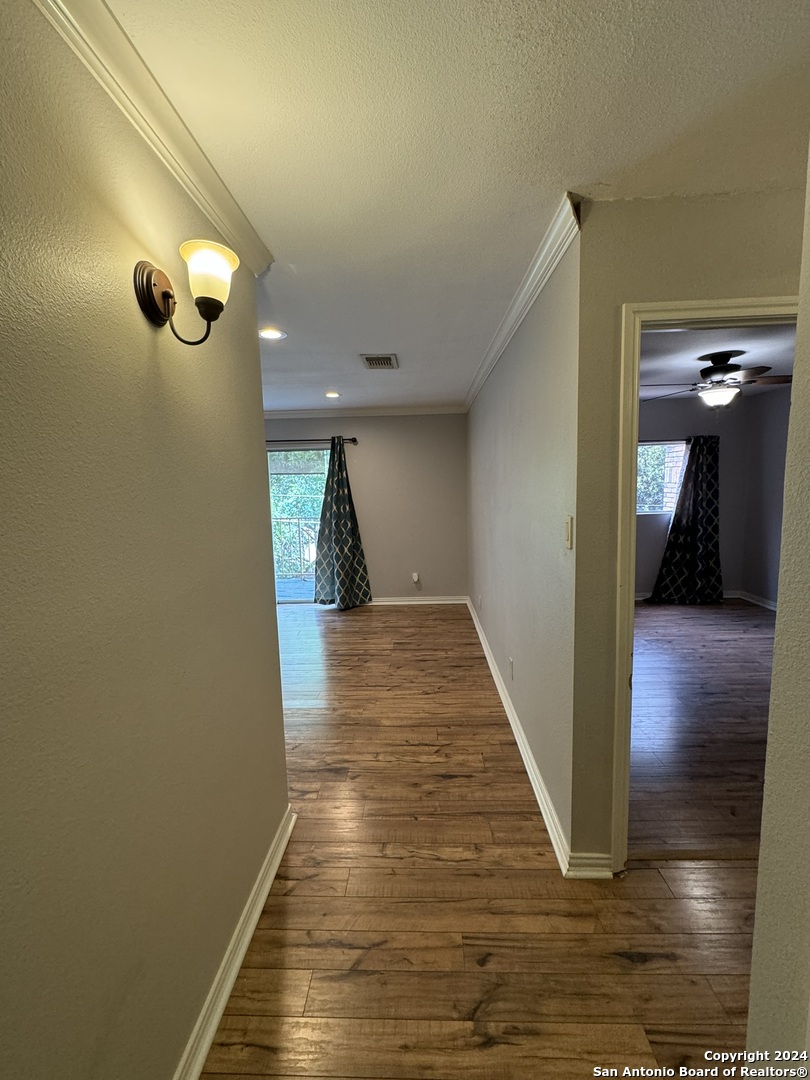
{"x":210,"y":267}
{"x":715,"y":396}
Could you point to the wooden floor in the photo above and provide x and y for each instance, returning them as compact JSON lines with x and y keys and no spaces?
{"x":419,"y":926}
{"x":701,"y":683}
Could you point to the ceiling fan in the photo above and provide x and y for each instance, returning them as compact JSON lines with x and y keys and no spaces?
{"x":721,"y":380}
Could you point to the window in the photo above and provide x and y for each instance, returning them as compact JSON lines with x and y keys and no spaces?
{"x":660,"y":467}
{"x":297,"y":480}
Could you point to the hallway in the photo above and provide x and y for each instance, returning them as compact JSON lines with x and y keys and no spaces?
{"x":419,"y":925}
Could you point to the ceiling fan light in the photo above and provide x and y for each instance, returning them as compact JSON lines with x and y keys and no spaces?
{"x":717,"y":396}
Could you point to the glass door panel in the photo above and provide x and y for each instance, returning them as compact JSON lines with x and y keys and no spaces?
{"x":297,"y":481}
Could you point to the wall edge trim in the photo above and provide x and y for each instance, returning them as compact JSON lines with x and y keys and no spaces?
{"x":98,"y":39}
{"x":547,"y":809}
{"x":558,"y":238}
{"x":199,"y":1043}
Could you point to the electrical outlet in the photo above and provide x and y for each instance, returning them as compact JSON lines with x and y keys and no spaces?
{"x":414,"y":577}
{"x":511,"y":668}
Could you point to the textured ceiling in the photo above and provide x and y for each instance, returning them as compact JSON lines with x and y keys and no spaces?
{"x":671,"y":356}
{"x":402,"y":159}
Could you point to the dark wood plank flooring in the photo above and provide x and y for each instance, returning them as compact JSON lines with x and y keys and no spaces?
{"x":419,"y":927}
{"x":701,"y":684}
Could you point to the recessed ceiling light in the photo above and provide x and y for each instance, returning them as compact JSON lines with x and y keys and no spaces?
{"x":332,"y":393}
{"x":272,"y":333}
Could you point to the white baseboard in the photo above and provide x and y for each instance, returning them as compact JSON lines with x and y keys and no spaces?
{"x":421,"y":600}
{"x":735,"y":594}
{"x":587,"y":864}
{"x":760,"y":601}
{"x":196,"y":1051}
{"x":555,"y":831}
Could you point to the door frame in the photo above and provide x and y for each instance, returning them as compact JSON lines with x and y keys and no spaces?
{"x":635,"y":318}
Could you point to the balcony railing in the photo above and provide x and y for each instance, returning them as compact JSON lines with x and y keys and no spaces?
{"x":295,"y":542}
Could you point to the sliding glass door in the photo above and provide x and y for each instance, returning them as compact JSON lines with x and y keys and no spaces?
{"x":297,"y":480}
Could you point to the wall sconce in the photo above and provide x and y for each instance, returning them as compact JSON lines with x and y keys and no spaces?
{"x":717,"y":396}
{"x":210,"y":267}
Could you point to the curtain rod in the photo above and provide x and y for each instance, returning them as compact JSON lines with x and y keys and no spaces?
{"x":272,"y":442}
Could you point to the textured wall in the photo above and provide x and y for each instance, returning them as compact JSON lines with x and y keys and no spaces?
{"x":522,"y":487}
{"x":780,"y":975}
{"x":409,"y":483}
{"x":766,"y":418}
{"x":142,"y":772}
{"x":644,"y":250}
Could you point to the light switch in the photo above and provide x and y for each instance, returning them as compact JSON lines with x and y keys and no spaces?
{"x":569,"y":532}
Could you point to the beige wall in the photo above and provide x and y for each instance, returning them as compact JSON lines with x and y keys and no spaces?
{"x":780,"y":976}
{"x":142,"y":772}
{"x":644,"y":250}
{"x":522,"y":486}
{"x":766,"y":417}
{"x":409,"y":484}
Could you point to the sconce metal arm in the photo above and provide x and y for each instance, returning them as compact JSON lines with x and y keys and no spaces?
{"x":168,"y":296}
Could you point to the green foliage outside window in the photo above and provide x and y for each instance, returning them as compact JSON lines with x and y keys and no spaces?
{"x":660,"y":466}
{"x":650,"y":489}
{"x":297,"y":480}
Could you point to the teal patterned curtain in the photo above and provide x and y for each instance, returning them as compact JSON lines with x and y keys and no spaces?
{"x":690,"y":569}
{"x":341,"y":577}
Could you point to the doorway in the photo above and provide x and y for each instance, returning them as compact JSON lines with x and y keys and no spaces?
{"x":297,"y":482}
{"x":637,"y":319}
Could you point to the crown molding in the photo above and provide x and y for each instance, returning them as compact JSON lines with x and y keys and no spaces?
{"x":561,"y":232}
{"x":98,"y":39}
{"x":372,"y":410}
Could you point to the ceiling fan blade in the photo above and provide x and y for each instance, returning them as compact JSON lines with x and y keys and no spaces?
{"x":771,"y":380}
{"x":652,"y":385}
{"x":749,"y":374}
{"x":663,"y":397}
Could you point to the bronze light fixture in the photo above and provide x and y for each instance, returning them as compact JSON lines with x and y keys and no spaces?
{"x":210,"y":267}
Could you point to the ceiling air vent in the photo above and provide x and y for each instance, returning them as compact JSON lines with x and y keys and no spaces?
{"x":380,"y":361}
